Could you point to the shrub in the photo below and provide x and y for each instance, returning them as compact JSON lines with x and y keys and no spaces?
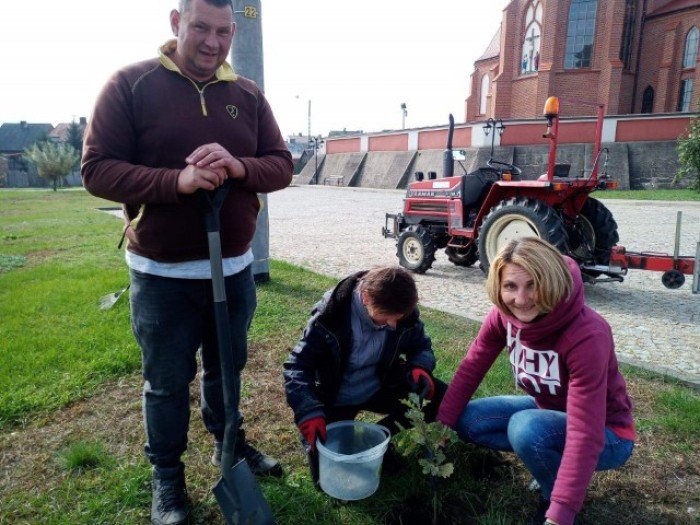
{"x":688,"y":149}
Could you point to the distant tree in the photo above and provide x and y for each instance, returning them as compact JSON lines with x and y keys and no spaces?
{"x":53,"y":161}
{"x":75,"y":136}
{"x":688,"y":149}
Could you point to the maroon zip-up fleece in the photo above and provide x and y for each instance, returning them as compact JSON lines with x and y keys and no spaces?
{"x":148,"y":118}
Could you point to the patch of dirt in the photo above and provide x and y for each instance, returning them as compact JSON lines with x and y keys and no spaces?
{"x":657,"y":486}
{"x":418,"y":510}
{"x":29,"y":454}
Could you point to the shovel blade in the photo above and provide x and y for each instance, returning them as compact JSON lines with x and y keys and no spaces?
{"x":240,"y":498}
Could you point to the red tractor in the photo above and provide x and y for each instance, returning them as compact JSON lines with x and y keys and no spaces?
{"x":471,"y":216}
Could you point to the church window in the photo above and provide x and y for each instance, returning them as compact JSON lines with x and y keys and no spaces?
{"x":685,"y":95}
{"x":690,"y":57}
{"x":530,"y":58}
{"x":628,"y":33}
{"x":484,"y":94}
{"x":648,"y":100}
{"x":580,"y":33}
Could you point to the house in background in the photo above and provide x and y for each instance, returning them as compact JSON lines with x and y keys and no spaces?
{"x":634,"y":56}
{"x":61,"y":132}
{"x":16,"y":137}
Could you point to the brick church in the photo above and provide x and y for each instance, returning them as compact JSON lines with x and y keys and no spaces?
{"x":635,"y":56}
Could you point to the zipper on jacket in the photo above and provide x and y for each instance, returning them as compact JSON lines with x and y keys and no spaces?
{"x":337,"y":341}
{"x":202,"y":102}
{"x":396,"y":350}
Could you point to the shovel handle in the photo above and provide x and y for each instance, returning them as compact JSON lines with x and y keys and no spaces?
{"x":210,"y":202}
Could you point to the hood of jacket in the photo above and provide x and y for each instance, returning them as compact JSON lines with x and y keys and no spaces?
{"x":557,"y":319}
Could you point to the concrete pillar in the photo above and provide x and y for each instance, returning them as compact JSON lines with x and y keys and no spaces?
{"x":247,"y":60}
{"x":364,"y":144}
{"x":412,"y":140}
{"x":609,"y":132}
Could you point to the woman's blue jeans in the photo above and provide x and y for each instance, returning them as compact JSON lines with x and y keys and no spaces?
{"x":171,"y":320}
{"x":537,"y":436}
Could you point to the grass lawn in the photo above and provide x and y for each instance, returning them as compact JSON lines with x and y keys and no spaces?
{"x":650,"y":195}
{"x":71,"y":435}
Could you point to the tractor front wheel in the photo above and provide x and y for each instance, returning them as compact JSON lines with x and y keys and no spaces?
{"x":515,"y":218}
{"x":416,"y":249}
{"x":462,"y":256}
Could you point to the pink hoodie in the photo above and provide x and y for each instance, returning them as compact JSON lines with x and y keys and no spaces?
{"x":566,"y":361}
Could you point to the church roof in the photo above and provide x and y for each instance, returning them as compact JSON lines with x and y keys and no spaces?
{"x":494,"y":48}
{"x":674,"y":5}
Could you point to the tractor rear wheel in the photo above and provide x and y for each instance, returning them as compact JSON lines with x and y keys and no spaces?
{"x":416,"y":249}
{"x":515,"y":218}
{"x":462,"y":256}
{"x":604,"y":229}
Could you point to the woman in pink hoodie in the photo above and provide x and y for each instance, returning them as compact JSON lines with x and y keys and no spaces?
{"x":576,"y":416}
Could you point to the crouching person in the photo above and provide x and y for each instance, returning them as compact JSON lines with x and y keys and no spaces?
{"x":364,"y":348}
{"x":576,"y":416}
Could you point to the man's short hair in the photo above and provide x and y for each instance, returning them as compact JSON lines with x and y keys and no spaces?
{"x":185,"y":4}
{"x":542,"y":261}
{"x":391,"y":289}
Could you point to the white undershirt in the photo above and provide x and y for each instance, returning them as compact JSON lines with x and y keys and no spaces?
{"x":199,"y":269}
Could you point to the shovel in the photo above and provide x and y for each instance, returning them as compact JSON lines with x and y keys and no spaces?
{"x":109,"y":300}
{"x":237,"y":492}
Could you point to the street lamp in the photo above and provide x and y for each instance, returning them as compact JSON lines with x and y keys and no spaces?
{"x":498,"y":125}
{"x":404,"y":112}
{"x":316,"y":141}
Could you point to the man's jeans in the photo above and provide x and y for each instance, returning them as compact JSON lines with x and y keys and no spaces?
{"x":537,"y":436}
{"x":171,"y":319}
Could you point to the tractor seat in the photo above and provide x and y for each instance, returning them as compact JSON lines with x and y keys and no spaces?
{"x":561,"y":171}
{"x":476,"y":184}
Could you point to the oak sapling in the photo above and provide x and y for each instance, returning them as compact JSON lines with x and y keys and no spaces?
{"x":430,"y":440}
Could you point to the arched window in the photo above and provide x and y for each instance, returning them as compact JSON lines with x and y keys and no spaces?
{"x":690,"y":57}
{"x":530,"y":61}
{"x":484,"y":94}
{"x":579,"y":36}
{"x":648,"y":100}
{"x":628,"y":33}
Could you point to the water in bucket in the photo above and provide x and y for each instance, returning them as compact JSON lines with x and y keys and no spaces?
{"x":350,"y":460}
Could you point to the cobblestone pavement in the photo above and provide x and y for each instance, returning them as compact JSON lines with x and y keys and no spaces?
{"x":335,"y":231}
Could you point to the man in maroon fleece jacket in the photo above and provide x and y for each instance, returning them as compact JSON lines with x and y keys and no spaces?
{"x":576,"y":416}
{"x":161,"y":130}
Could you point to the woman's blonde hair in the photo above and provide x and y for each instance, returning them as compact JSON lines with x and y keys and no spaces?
{"x":542,"y":261}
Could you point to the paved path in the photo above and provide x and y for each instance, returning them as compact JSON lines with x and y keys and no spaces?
{"x":335,"y":231}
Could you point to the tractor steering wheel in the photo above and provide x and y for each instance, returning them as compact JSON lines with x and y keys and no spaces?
{"x":506,"y":167}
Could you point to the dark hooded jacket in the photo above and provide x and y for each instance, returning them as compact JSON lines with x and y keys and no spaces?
{"x":314,"y":370}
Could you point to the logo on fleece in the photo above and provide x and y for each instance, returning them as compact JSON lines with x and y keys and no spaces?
{"x":535,"y":369}
{"x":232,"y":110}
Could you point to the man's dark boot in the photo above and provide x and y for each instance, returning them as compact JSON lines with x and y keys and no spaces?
{"x":170,"y":505}
{"x":260,"y":464}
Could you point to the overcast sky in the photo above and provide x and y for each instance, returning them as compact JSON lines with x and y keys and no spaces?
{"x":356,"y":61}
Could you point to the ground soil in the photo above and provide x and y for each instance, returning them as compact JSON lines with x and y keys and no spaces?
{"x":659,"y":485}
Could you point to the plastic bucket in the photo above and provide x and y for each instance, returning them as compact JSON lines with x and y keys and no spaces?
{"x":350,"y":461}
